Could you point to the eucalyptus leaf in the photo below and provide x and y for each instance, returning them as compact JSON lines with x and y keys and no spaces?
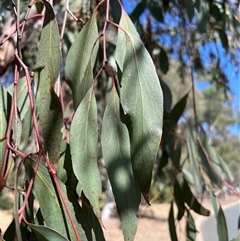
{"x":116,"y":153}
{"x":189,"y":5}
{"x":192,"y":156}
{"x":192,"y":201}
{"x":4,"y":99}
{"x":80,"y":60}
{"x":44,"y":233}
{"x":190,"y":228}
{"x":221,"y":225}
{"x":171,"y":224}
{"x":142,"y":102}
{"x":179,"y":200}
{"x":23,"y":103}
{"x":47,"y":69}
{"x":83,"y":146}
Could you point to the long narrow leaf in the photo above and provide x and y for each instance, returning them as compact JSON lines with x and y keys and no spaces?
{"x":3,"y":120}
{"x":83,"y":146}
{"x":116,"y":153}
{"x":192,"y":155}
{"x":222,"y":225}
{"x":47,"y":69}
{"x":80,"y":60}
{"x":171,"y":224}
{"x":190,"y":228}
{"x":142,"y":102}
{"x":192,"y":201}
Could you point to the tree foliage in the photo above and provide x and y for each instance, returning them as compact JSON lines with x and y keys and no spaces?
{"x":89,"y":94}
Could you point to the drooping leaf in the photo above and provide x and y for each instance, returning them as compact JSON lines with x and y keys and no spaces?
{"x":209,"y":163}
{"x":188,"y":176}
{"x":192,"y":156}
{"x":179,"y":200}
{"x":225,"y":168}
{"x":171,"y":224}
{"x":117,"y":157}
{"x":167,"y":96}
{"x":163,"y":61}
{"x":138,"y":10}
{"x":173,"y":147}
{"x":190,"y":228}
{"x":80,"y":60}
{"x":83,"y":146}
{"x":92,"y":219}
{"x":221,"y":225}
{"x":47,"y":69}
{"x":215,"y":12}
{"x":142,"y":102}
{"x":156,"y":11}
{"x":44,"y":233}
{"x":202,"y":9}
{"x":4,"y":107}
{"x":224,"y":39}
{"x":54,"y":213}
{"x":192,"y":201}
{"x":177,"y":112}
{"x":23,"y":103}
{"x":189,"y":5}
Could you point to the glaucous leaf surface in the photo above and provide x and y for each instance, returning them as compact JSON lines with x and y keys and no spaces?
{"x":47,"y":69}
{"x":117,"y":157}
{"x":83,"y":146}
{"x":142,"y":101}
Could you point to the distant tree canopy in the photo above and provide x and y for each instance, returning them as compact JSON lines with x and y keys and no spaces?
{"x":94,"y":99}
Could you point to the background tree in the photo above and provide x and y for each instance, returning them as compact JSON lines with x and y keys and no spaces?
{"x":89,"y":104}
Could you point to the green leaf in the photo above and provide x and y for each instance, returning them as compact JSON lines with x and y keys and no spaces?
{"x":156,"y":11}
{"x":214,"y":202}
{"x":142,"y":102}
{"x":117,"y":157}
{"x":4,"y":109}
{"x":179,"y":200}
{"x":202,"y":15}
{"x":171,"y":224}
{"x":80,"y":60}
{"x":209,"y":160}
{"x":47,"y":69}
{"x":167,"y":96}
{"x":224,"y":39}
{"x":188,"y":176}
{"x":83,"y":146}
{"x":189,"y":5}
{"x":54,"y":213}
{"x":192,"y":201}
{"x":190,"y":228}
{"x":192,"y":156}
{"x":163,"y":61}
{"x":215,"y":12}
{"x":23,"y":103}
{"x":225,"y":168}
{"x":177,"y":112}
{"x":221,"y":225}
{"x":92,"y":220}
{"x":44,"y":233}
{"x":138,"y":10}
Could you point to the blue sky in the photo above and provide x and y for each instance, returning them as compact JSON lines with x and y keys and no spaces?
{"x":231,"y":71}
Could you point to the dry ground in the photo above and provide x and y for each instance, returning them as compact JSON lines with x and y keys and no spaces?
{"x":153,"y":222}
